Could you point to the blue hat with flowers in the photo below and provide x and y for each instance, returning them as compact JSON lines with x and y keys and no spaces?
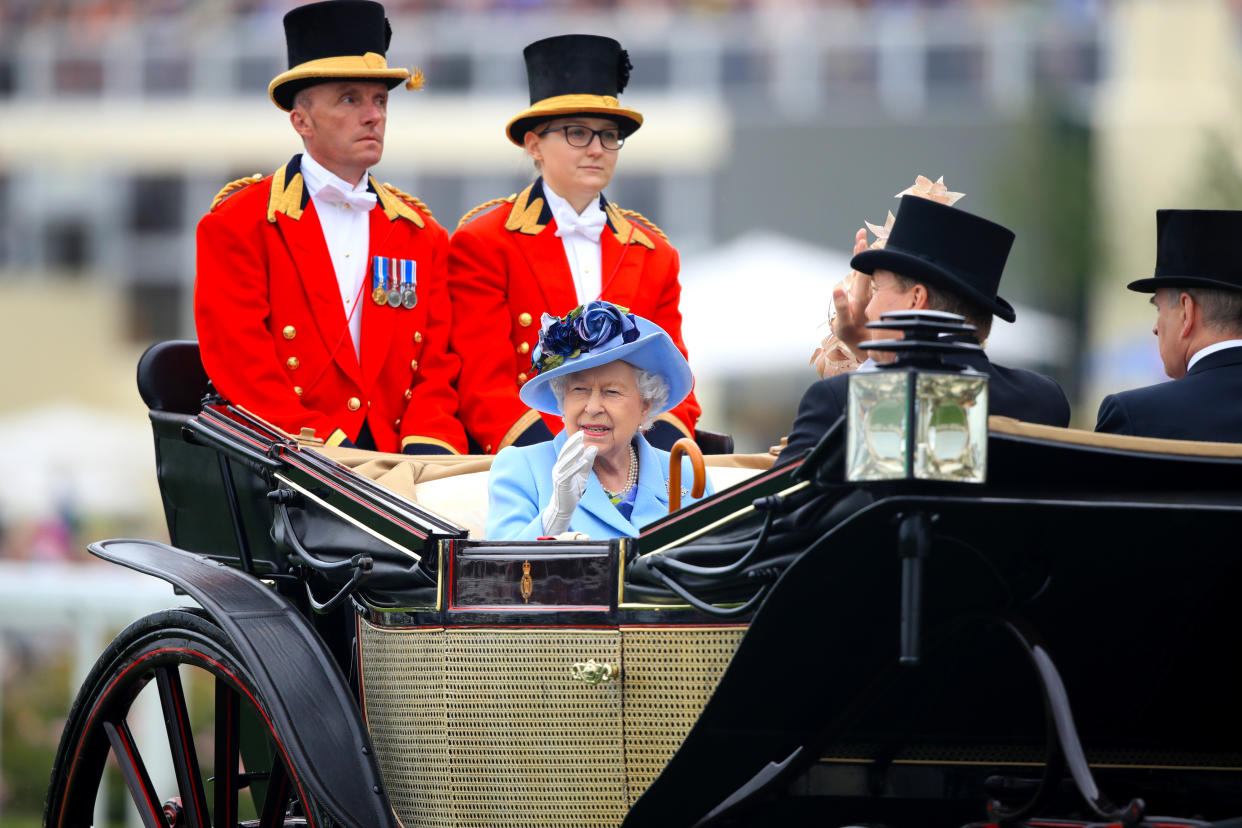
{"x":595,"y":334}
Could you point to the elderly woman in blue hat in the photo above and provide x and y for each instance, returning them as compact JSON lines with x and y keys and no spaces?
{"x":608,"y":374}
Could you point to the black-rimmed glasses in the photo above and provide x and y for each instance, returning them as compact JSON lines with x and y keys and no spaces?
{"x":581,"y":136}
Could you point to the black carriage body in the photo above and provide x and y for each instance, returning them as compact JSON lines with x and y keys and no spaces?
{"x":1072,"y":625}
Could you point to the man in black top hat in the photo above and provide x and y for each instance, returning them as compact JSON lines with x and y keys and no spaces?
{"x":938,"y":258}
{"x":1197,"y":293}
{"x":321,"y":300}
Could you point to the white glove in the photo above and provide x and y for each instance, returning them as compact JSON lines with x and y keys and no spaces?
{"x":569,"y":479}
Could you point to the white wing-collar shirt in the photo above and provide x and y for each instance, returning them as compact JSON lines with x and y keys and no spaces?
{"x":1211,"y":349}
{"x":343,"y":212}
{"x":579,"y":234}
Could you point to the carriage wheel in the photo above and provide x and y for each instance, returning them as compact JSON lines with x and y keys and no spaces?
{"x":156,"y":654}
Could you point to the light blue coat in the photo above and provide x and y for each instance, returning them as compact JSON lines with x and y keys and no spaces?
{"x":520,"y":486}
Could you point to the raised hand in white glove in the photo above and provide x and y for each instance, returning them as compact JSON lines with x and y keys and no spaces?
{"x":569,"y":479}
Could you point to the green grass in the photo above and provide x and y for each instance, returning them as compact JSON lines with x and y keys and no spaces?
{"x":20,"y":821}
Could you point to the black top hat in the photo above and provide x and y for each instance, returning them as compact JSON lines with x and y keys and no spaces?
{"x":947,"y":248}
{"x":1196,"y":248}
{"x":332,"y":41}
{"x":575,"y":74}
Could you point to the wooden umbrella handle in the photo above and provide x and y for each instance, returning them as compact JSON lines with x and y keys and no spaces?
{"x":685,"y":446}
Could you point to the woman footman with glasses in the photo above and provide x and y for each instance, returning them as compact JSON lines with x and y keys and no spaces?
{"x":557,"y":244}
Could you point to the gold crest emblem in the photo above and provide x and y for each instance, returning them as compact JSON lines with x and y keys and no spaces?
{"x":528,"y":583}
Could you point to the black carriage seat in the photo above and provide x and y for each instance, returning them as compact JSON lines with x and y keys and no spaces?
{"x":171,"y":377}
{"x":713,"y":442}
{"x":212,"y":506}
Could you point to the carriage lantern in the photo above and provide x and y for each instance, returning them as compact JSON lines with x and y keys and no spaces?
{"x":919,"y":418}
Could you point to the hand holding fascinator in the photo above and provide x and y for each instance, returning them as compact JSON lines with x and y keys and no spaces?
{"x":839,"y":352}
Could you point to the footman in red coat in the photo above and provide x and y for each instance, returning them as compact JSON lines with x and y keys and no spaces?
{"x":557,"y":244}
{"x":321,"y":301}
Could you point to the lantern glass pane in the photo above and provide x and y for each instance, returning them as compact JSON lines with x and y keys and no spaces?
{"x":878,"y":423}
{"x":951,"y":436}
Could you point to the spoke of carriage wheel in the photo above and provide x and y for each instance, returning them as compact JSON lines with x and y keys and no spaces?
{"x":135,"y":772}
{"x":277,"y":799}
{"x":181,"y":743}
{"x":228,"y":753}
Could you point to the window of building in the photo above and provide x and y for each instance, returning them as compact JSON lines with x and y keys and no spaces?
{"x":78,"y":75}
{"x":651,"y":70}
{"x":255,"y":73}
{"x":153,"y":310}
{"x":449,"y":72}
{"x":1068,"y":63}
{"x":637,"y":192}
{"x":6,"y":255}
{"x":741,"y":67}
{"x":163,"y":76}
{"x":66,"y":244}
{"x":157,"y":204}
{"x":445,"y":195}
{"x":956,"y":70}
{"x":8,"y":76}
{"x":850,"y":71}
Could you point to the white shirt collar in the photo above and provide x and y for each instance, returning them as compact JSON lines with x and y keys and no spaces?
{"x":317,"y":176}
{"x":1211,"y":349}
{"x":561,"y":207}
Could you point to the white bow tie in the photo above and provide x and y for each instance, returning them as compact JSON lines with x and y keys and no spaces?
{"x":588,"y":226}
{"x":332,"y":194}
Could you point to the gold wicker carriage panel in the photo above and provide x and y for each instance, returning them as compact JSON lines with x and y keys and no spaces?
{"x":532,"y":727}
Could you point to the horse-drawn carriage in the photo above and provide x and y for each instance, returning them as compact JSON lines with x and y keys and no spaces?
{"x":800,"y":648}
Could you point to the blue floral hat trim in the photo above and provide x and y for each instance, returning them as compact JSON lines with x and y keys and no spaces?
{"x":595,"y":334}
{"x":585,"y":328}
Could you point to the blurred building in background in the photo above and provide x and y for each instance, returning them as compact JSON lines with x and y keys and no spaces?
{"x":774,"y":128}
{"x":120,"y":120}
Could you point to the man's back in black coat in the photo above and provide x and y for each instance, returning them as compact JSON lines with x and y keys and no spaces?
{"x":1206,"y":404}
{"x":1012,"y":392}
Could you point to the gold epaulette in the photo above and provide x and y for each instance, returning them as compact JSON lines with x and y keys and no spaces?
{"x":417,"y":202}
{"x":232,"y":187}
{"x":644,"y":220}
{"x":483,"y":207}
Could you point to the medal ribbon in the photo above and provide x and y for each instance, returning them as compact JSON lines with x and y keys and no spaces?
{"x":378,"y":275}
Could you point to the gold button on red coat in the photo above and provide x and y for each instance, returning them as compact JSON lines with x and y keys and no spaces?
{"x":521,"y":378}
{"x":297,"y":389}
{"x":524,"y":348}
{"x":353,"y":404}
{"x":413,"y":364}
{"x":292,"y":363}
{"x":289,"y":332}
{"x":408,"y":394}
{"x":524,"y":320}
{"x":418,"y":336}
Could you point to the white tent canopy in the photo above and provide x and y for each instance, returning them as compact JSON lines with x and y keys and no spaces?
{"x":760,"y":304}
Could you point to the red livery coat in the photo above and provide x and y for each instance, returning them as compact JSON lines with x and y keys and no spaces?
{"x":273,"y":332}
{"x":507,"y":267}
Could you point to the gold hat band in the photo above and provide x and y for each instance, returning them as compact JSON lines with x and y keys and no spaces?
{"x":365,"y":67}
{"x":604,"y":105}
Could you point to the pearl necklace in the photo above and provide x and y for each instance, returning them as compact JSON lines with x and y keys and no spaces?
{"x":631,"y":479}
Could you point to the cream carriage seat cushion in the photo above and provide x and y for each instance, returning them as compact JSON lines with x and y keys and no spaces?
{"x":1120,"y":442}
{"x":455,"y":488}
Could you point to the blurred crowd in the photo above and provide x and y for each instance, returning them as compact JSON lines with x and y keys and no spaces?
{"x":16,"y":15}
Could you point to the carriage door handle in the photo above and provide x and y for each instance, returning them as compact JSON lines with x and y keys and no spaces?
{"x":592,"y":672}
